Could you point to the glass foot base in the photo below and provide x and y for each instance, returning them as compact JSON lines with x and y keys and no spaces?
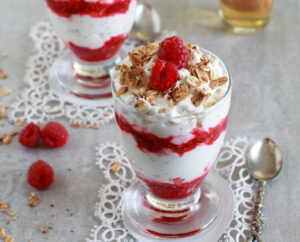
{"x":81,"y":83}
{"x":147,"y":223}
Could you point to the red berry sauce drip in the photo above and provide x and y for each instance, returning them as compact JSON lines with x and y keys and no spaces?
{"x":168,"y":220}
{"x":148,"y":142}
{"x":173,"y":236}
{"x":95,"y":9}
{"x":173,"y":191}
{"x":105,"y":52}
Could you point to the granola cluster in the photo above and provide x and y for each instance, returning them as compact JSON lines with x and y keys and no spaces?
{"x":135,"y":79}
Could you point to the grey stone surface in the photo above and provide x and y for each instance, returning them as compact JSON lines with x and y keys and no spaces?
{"x":265,"y":67}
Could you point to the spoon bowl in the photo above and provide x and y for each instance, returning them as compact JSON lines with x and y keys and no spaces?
{"x":264,"y":160}
{"x":147,"y":25}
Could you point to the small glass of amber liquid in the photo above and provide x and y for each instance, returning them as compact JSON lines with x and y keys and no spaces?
{"x":245,"y":16}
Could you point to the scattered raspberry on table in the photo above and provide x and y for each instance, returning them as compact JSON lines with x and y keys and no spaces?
{"x":172,"y":49}
{"x":54,"y":135}
{"x":30,"y":135}
{"x":40,"y":175}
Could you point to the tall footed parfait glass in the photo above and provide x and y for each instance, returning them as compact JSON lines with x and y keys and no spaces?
{"x":93,"y":31}
{"x":171,"y":157}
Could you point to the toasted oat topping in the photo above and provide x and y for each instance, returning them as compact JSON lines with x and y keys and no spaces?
{"x":218,"y":82}
{"x":140,"y":105}
{"x":197,"y":98}
{"x":197,"y":86}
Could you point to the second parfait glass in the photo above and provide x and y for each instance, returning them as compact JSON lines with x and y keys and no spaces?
{"x":171,"y":158}
{"x":93,"y":31}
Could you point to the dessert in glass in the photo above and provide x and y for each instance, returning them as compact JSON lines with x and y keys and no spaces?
{"x":172,"y":103}
{"x":93,"y":31}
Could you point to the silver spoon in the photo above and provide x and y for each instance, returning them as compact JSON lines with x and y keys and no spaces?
{"x":147,"y":24}
{"x":264,"y":163}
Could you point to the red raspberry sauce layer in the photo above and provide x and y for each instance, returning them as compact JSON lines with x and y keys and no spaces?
{"x":107,"y":51}
{"x":175,"y":190}
{"x":173,"y":236}
{"x":148,"y":142}
{"x":67,"y":8}
{"x":168,"y":220}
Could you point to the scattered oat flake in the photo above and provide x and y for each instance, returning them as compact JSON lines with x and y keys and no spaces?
{"x":2,"y":74}
{"x":8,"y":221}
{"x":2,"y":233}
{"x":5,"y":91}
{"x":20,"y":123}
{"x":9,"y":239}
{"x":39,"y":124}
{"x":116,"y":167}
{"x":43,"y":229}
{"x":4,"y":55}
{"x":75,"y":126}
{"x":12,"y":133}
{"x":4,"y":205}
{"x":9,"y":212}
{"x":87,"y":126}
{"x":34,"y":202}
{"x":13,"y":219}
{"x":95,"y":127}
{"x":2,"y":112}
{"x":50,"y":227}
{"x":7,"y":139}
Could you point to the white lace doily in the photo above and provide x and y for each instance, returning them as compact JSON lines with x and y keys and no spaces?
{"x":36,"y":103}
{"x":230,"y":164}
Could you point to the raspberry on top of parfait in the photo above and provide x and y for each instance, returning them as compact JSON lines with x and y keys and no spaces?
{"x":170,"y":76}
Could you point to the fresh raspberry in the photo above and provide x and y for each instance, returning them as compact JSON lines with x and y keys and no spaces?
{"x":30,"y":135}
{"x":54,"y":135}
{"x":40,"y":175}
{"x":164,"y":75}
{"x":172,"y":49}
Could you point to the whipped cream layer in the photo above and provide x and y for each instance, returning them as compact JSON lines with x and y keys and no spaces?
{"x":169,"y":136}
{"x":92,"y":32}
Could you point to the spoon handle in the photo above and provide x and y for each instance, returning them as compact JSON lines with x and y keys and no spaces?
{"x":257,"y":223}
